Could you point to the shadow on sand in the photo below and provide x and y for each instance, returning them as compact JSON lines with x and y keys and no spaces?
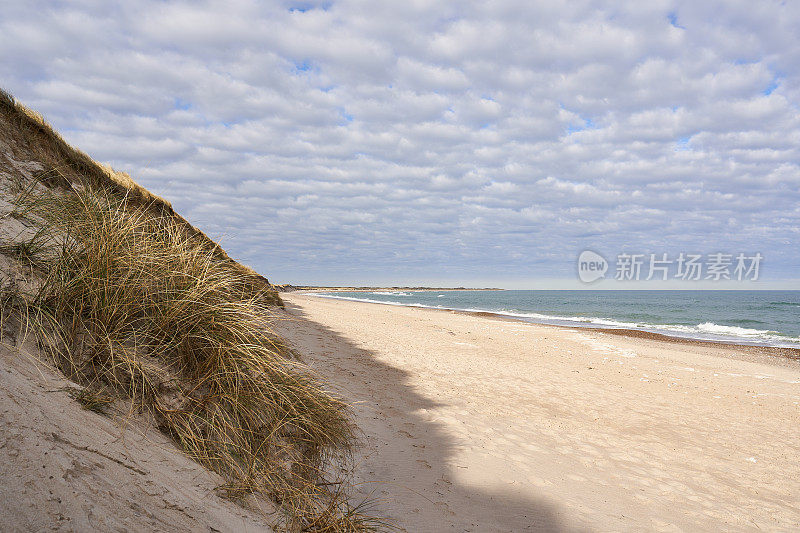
{"x":405,"y":461}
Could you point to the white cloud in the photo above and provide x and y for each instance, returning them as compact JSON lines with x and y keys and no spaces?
{"x":327,"y":140}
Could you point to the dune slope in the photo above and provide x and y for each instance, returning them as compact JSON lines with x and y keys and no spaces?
{"x":66,"y":468}
{"x":159,"y":330}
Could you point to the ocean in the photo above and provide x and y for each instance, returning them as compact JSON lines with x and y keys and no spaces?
{"x":767,"y":318}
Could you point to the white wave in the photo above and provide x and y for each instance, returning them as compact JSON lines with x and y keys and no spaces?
{"x":710,"y":327}
{"x":391,"y":293}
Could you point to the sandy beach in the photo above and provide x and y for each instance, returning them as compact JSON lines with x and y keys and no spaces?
{"x":476,"y":424}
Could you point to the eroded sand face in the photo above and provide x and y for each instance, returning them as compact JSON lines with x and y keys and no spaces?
{"x":63,"y":468}
{"x":476,"y":424}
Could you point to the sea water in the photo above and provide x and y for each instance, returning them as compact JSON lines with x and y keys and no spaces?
{"x":769,"y":318}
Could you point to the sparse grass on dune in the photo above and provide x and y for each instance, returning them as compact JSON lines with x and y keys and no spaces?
{"x":133,"y":305}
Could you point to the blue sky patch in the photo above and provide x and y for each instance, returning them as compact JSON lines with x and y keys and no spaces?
{"x":673,"y":20}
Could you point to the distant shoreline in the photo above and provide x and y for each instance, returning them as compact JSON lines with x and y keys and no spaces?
{"x":783,"y":352}
{"x":292,"y":288}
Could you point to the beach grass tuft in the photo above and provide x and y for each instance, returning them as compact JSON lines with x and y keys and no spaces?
{"x":135,"y":305}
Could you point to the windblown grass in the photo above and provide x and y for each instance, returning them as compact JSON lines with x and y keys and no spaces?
{"x":135,"y":305}
{"x":67,"y":166}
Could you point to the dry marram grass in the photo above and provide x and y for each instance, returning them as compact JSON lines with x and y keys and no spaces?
{"x":133,"y":305}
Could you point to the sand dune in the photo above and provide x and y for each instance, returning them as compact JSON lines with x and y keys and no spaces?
{"x":477,"y":424}
{"x":68,"y":469}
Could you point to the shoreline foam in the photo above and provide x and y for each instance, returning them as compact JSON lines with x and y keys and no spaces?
{"x":749,"y":338}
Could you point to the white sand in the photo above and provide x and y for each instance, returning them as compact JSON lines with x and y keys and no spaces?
{"x":63,"y":468}
{"x":477,"y":424}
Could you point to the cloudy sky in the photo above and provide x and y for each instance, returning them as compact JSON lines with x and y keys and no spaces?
{"x":478,"y":143}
